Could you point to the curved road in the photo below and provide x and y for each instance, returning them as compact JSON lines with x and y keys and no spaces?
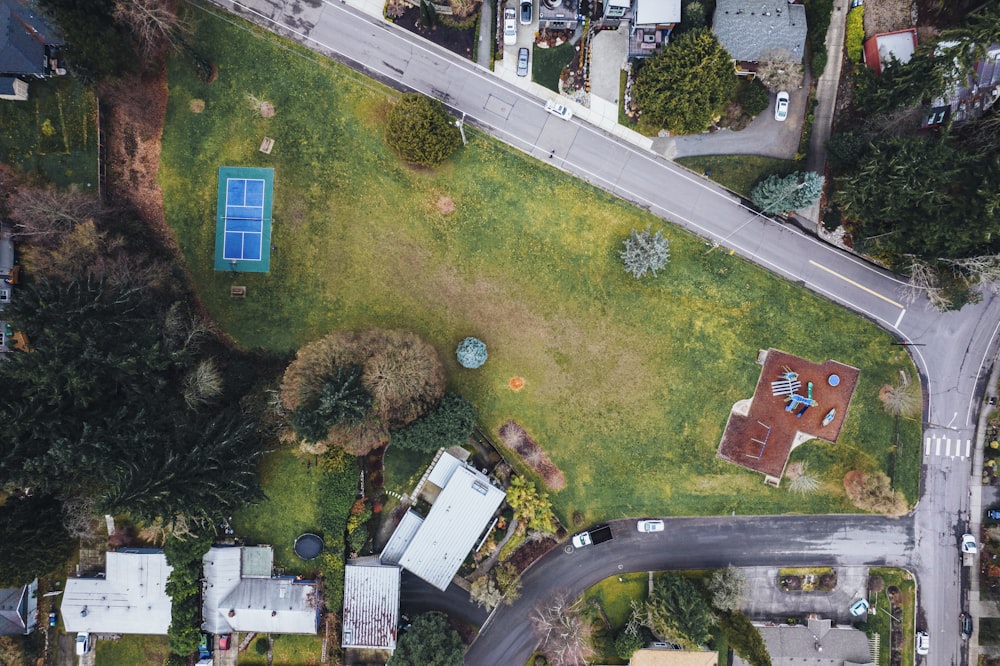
{"x":953,"y":351}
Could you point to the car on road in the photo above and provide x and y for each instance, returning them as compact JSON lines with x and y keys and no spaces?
{"x":993,"y":514}
{"x":525,"y":12}
{"x":969,"y":544}
{"x":923,"y":642}
{"x":650,"y":525}
{"x":965,"y":625}
{"x":509,"y":26}
{"x":859,"y":608}
{"x":82,"y":643}
{"x":224,"y":642}
{"x":522,"y":61}
{"x":781,"y":107}
{"x":557,"y":109}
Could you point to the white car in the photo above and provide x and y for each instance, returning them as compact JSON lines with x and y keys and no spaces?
{"x":969,"y":544}
{"x":82,"y":643}
{"x":650,"y":525}
{"x":557,"y":109}
{"x":923,"y":642}
{"x":509,"y":26}
{"x":781,"y":107}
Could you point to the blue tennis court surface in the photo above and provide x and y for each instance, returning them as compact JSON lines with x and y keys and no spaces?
{"x":243,"y":219}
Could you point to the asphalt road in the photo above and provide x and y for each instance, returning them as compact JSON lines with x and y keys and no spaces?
{"x":953,"y":351}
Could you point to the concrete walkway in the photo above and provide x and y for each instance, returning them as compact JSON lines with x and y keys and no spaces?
{"x":485,"y":51}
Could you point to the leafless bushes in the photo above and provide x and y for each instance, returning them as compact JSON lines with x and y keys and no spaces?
{"x":517,"y":440}
{"x":563,"y":631}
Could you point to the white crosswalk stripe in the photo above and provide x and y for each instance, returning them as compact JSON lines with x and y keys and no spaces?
{"x":962,"y":449}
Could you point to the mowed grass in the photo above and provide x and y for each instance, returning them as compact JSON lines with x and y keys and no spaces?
{"x":879,"y":623}
{"x":547,"y":64}
{"x":53,"y":134}
{"x":628,"y":382}
{"x":291,"y":508}
{"x":133,"y":649}
{"x":289,"y":650}
{"x":740,"y":173}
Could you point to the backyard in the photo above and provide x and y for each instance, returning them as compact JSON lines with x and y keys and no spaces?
{"x":628,"y":383}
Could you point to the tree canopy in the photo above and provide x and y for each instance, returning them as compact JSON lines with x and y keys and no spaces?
{"x":449,"y":424}
{"x":33,"y":541}
{"x":687,"y":85}
{"x":420,"y":130}
{"x":678,"y":611}
{"x":781,"y":194}
{"x":645,"y":252}
{"x":530,"y":506}
{"x":428,"y":642}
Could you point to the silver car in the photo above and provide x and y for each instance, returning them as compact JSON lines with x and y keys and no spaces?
{"x":522,"y":61}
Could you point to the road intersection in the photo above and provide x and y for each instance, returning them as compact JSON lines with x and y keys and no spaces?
{"x":954,"y":351}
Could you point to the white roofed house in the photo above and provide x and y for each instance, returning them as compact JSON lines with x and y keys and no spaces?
{"x":240,"y":594}
{"x":130,"y":598}
{"x":371,"y":606}
{"x":463,"y":503}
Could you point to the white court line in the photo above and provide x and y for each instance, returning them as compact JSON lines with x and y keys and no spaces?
{"x":927,"y":446}
{"x":968,"y":447}
{"x":947,"y":449}
{"x":937,"y":451}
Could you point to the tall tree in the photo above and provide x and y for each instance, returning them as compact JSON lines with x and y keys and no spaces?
{"x":781,"y":194}
{"x":428,"y":642}
{"x":420,"y":130}
{"x":530,"y":506}
{"x":687,"y":85}
{"x":33,"y":541}
{"x":728,"y":588}
{"x":450,"y":424}
{"x":564,"y":633}
{"x":744,"y":638}
{"x":101,"y":48}
{"x":678,"y":611}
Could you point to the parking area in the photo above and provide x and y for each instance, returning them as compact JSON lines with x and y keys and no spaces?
{"x":767,"y":600}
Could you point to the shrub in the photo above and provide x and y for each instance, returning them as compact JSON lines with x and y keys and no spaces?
{"x":260,"y":645}
{"x":341,"y":399}
{"x":420,"y":130}
{"x":448,"y":425}
{"x":645,"y":252}
{"x":471,"y":353}
{"x":753,"y":97}
{"x":818,"y":63}
{"x":855,"y":35}
{"x":626,"y":644}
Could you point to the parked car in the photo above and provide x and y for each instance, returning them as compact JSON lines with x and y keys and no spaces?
{"x":969,"y":544}
{"x":993,"y":514}
{"x":859,"y":608}
{"x":650,"y":525}
{"x":965,"y":625}
{"x":509,"y":26}
{"x":923,"y":642}
{"x":82,"y":643}
{"x":224,"y":642}
{"x":525,"y":12}
{"x":781,"y":107}
{"x":557,"y":109}
{"x":522,"y":61}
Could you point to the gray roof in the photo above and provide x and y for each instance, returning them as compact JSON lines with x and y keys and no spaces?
{"x":816,"y":643}
{"x":401,"y":537}
{"x":257,"y":603}
{"x":752,"y":29}
{"x":130,"y":599}
{"x":371,"y":606}
{"x":272,"y":606}
{"x":454,"y":523}
{"x":18,"y":609}
{"x":23,"y":37}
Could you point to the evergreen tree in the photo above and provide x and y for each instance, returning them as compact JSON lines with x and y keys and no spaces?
{"x":645,"y":252}
{"x":450,"y":424}
{"x":33,"y":541}
{"x":744,"y":638}
{"x":420,"y":130}
{"x":678,"y":611}
{"x":781,"y":194}
{"x":428,"y":642}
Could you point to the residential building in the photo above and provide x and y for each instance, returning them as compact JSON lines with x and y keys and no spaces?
{"x":558,"y":14}
{"x":19,"y":609}
{"x":130,"y":598}
{"x":239,"y":593}
{"x":758,"y":31}
{"x":29,"y":49}
{"x":651,"y":24}
{"x":968,"y":96}
{"x":815,"y":643}
{"x":371,"y":606}
{"x":883,"y":48}
{"x":463,"y":502}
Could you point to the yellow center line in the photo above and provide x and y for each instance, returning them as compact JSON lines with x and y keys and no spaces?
{"x":859,"y":286}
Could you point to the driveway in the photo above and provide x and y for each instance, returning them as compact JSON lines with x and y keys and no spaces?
{"x":766,"y":600}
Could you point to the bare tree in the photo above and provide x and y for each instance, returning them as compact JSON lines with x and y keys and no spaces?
{"x":924,"y":280}
{"x":79,"y":516}
{"x":779,"y":71}
{"x":564,"y":633}
{"x":154,"y":23}
{"x":46,"y":214}
{"x":729,"y":588}
{"x":203,"y":384}
{"x":984,"y":269}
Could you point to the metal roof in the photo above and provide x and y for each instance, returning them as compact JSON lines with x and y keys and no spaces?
{"x":401,"y":537}
{"x":444,"y":466}
{"x":222,"y":575}
{"x":257,"y":561}
{"x":454,"y":523}
{"x":657,"y":12}
{"x":756,"y":30}
{"x":371,"y":606}
{"x":130,"y":599}
{"x":274,"y":606}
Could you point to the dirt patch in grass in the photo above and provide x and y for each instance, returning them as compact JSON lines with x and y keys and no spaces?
{"x":445,"y":205}
{"x":197,"y":105}
{"x":517,"y":440}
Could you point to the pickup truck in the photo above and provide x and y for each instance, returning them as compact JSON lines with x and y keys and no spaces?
{"x":599,"y":534}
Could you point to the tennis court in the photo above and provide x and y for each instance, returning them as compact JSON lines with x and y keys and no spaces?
{"x":243,"y":220}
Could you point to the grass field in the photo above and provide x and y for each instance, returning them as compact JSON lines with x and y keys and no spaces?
{"x":738,"y":172}
{"x":879,"y":623}
{"x":133,"y":649}
{"x":289,"y":650}
{"x":53,"y":134}
{"x":629,"y":382}
{"x":547,"y":64}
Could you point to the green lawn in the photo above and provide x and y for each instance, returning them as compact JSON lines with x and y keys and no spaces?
{"x":879,"y":623}
{"x":547,"y":64}
{"x":53,"y":134}
{"x":290,"y":509}
{"x":738,"y":172}
{"x":133,"y":649}
{"x":289,"y":650}
{"x":629,"y":383}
